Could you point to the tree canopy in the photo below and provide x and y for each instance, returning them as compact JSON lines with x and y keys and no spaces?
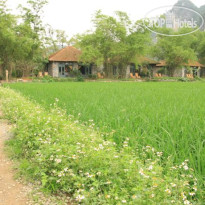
{"x":114,"y":41}
{"x":175,"y":50}
{"x":20,"y":39}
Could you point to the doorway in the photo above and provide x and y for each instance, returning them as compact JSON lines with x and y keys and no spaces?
{"x":61,"y":71}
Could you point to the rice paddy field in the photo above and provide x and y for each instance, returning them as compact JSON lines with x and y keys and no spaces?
{"x":169,"y":116}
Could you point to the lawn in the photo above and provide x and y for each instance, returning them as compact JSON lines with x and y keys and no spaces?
{"x":168,"y":116}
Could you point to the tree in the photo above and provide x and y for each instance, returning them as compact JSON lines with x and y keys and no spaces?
{"x":54,"y":39}
{"x":176,"y":51}
{"x":21,"y":45}
{"x":115,"y":41}
{"x":32,"y":14}
{"x":62,"y":37}
{"x":7,"y":36}
{"x":199,"y":45}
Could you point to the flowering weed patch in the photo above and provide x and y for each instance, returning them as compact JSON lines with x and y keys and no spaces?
{"x":67,"y":156}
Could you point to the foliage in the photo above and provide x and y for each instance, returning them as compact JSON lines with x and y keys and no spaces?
{"x":75,"y":73}
{"x":54,"y":39}
{"x":20,"y":41}
{"x":69,"y":157}
{"x":80,"y":78}
{"x":176,"y":51}
{"x":92,"y":76}
{"x":157,"y":114}
{"x":115,"y":41}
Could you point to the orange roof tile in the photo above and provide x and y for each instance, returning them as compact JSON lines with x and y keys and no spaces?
{"x":194,"y":64}
{"x":66,"y":54}
{"x":162,"y":63}
{"x":143,"y":59}
{"x":191,"y":63}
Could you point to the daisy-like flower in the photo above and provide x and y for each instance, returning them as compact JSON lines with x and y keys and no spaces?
{"x":173,"y":185}
{"x":141,"y":171}
{"x":187,"y":202}
{"x":168,"y":191}
{"x":80,"y":198}
{"x":150,"y":167}
{"x":186,"y":167}
{"x":152,"y":195}
{"x":159,"y":154}
{"x":58,"y":161}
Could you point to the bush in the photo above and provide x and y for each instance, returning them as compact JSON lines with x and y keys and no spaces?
{"x":67,"y":79}
{"x":144,"y":74}
{"x":80,"y":78}
{"x":163,"y":71}
{"x":72,"y":158}
{"x":183,"y":80}
{"x":75,"y":73}
{"x":17,"y":74}
{"x":1,"y":77}
{"x":92,"y":76}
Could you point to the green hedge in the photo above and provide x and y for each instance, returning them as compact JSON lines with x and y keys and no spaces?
{"x":66,"y":156}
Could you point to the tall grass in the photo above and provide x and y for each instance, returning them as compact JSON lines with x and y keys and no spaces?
{"x":67,"y":157}
{"x":167,"y":116}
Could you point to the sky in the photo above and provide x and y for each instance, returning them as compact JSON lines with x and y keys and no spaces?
{"x":75,"y":16}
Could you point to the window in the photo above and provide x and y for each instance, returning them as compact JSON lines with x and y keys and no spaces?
{"x":132,"y":69}
{"x":114,"y":70}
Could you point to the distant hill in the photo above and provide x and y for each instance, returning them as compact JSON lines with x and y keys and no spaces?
{"x":202,"y":12}
{"x":181,"y":13}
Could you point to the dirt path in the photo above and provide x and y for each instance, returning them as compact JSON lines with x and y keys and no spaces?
{"x":12,"y":192}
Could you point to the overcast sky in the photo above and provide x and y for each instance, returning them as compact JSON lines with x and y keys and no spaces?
{"x":74,"y":16}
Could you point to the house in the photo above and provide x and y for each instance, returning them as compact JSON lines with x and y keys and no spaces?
{"x":192,"y":67}
{"x":65,"y":61}
{"x":146,"y":66}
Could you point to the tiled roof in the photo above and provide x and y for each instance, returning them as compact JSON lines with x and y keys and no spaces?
{"x":66,"y":54}
{"x":162,"y":63}
{"x":191,"y":63}
{"x":194,"y":64}
{"x":143,"y":59}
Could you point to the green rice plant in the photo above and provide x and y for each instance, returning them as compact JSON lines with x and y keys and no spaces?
{"x":72,"y":158}
{"x":168,"y":116}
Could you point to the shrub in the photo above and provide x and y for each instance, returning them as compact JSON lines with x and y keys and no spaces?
{"x":17,"y":74}
{"x":183,"y":79}
{"x":69,"y":157}
{"x":92,"y":76}
{"x":80,"y":78}
{"x":75,"y":73}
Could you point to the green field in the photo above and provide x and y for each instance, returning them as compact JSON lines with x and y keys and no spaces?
{"x":166,"y":116}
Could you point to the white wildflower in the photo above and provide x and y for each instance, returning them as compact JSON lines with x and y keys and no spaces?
{"x":58,"y":161}
{"x":168,"y":191}
{"x":186,"y":167}
{"x":159,"y":154}
{"x":186,"y":202}
{"x":80,"y":198}
{"x":150,"y":167}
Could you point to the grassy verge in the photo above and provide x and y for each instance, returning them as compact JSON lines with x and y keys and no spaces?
{"x":69,"y":157}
